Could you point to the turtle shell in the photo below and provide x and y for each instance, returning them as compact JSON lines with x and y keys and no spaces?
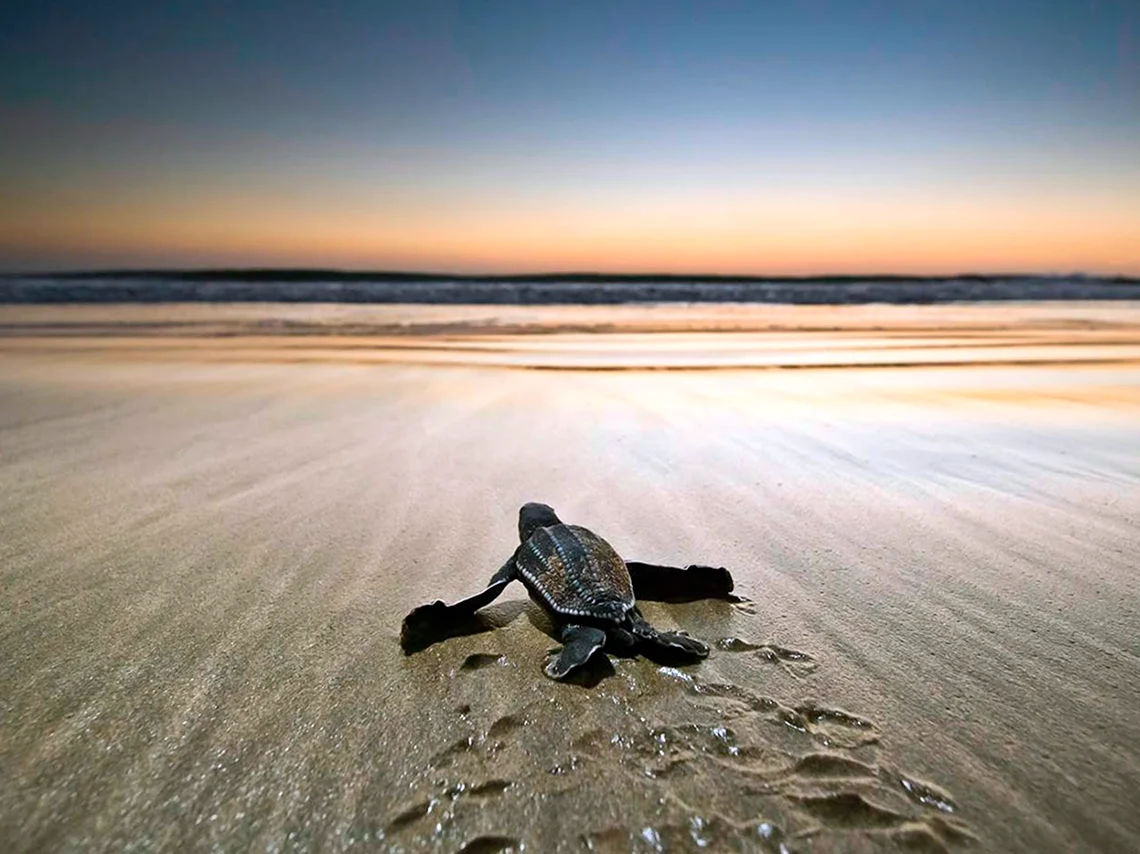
{"x":576,"y":573}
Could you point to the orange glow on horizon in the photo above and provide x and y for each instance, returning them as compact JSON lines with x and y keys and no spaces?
{"x":778,"y":236}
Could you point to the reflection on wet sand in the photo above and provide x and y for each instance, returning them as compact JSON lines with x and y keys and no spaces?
{"x":662,"y":337}
{"x":208,"y":545}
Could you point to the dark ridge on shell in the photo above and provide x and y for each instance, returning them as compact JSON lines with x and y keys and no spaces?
{"x":576,"y":573}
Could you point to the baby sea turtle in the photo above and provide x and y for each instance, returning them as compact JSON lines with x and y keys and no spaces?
{"x":587,"y":589}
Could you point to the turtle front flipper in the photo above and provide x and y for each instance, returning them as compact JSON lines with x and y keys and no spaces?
{"x":579,"y":643}
{"x":435,"y":621}
{"x":676,"y":584}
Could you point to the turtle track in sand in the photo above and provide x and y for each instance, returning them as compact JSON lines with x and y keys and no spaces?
{"x":791,"y":660}
{"x":706,"y":765}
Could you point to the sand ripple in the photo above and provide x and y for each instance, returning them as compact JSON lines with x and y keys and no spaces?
{"x":204,"y":561}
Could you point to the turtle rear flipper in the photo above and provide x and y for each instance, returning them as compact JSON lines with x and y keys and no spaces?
{"x":580,"y":642}
{"x":665,"y":647}
{"x":676,"y":584}
{"x":679,"y":645}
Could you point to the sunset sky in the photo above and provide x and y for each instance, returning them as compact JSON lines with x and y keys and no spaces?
{"x":761,"y":137}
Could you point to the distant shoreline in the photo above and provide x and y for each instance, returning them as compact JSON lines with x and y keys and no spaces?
{"x":568,"y":288}
{"x":319,"y":274}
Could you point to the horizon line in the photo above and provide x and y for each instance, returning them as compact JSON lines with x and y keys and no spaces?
{"x":269,"y":274}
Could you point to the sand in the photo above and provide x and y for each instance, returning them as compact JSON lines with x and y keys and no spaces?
{"x":213,"y":518}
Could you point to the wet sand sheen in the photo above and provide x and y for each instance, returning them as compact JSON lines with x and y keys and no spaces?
{"x":205,"y":561}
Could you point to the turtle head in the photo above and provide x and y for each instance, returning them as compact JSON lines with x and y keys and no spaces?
{"x":533,"y":516}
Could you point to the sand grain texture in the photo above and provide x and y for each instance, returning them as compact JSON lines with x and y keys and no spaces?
{"x":205,"y":556}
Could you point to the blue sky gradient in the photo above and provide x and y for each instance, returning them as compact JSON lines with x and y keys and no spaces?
{"x":722,"y":136}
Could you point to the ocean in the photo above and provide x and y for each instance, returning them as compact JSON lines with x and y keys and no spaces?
{"x":303,"y":286}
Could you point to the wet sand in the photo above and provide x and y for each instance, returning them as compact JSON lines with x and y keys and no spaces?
{"x":213,"y":518}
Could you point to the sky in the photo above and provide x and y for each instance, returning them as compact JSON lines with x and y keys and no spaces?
{"x":762,"y":137}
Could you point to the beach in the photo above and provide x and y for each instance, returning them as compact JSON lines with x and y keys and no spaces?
{"x":214,"y":517}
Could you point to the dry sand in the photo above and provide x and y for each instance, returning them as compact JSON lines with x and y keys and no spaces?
{"x":212,"y":520}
